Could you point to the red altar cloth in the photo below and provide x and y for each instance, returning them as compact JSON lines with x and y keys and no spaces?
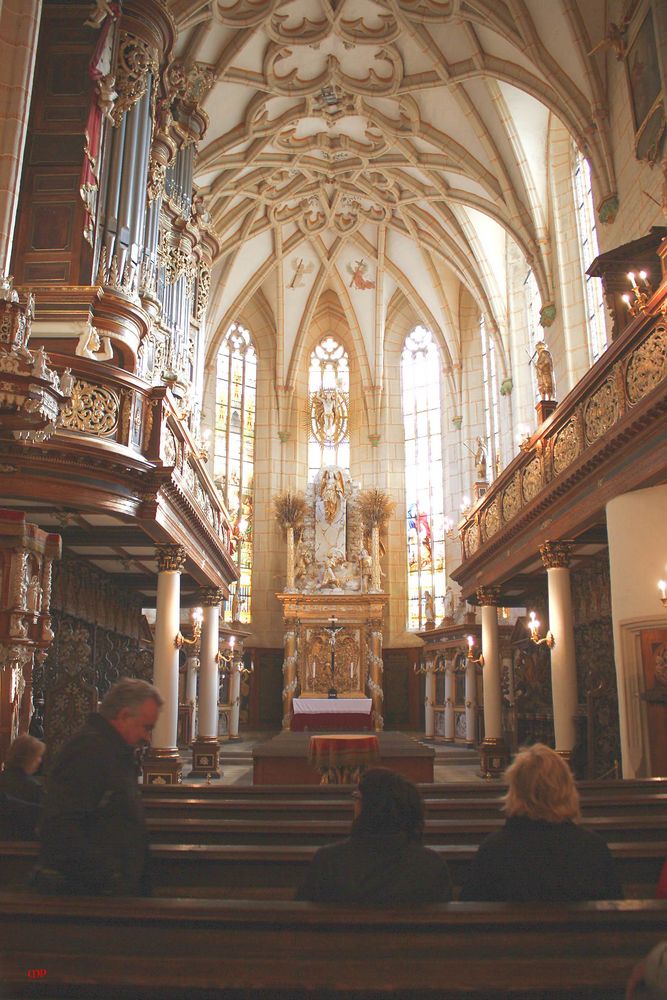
{"x":343,"y":759}
{"x":344,"y":722}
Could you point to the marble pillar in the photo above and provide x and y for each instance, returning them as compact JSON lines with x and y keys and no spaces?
{"x":375,"y":674}
{"x":289,"y":674}
{"x":471,"y":703}
{"x":556,"y":558}
{"x":235,"y":698}
{"x":162,"y":763}
{"x":429,"y":701}
{"x":449,"y":701}
{"x":206,"y":748}
{"x":494,"y":754}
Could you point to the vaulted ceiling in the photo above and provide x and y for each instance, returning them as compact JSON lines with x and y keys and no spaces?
{"x":386,"y":148}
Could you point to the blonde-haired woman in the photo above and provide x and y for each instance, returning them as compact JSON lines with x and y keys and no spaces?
{"x":541,"y":854}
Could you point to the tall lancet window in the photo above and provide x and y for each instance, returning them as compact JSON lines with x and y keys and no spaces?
{"x":491,"y":404}
{"x":328,"y":400}
{"x":233,"y":470}
{"x":589,"y":249}
{"x":420,"y":377}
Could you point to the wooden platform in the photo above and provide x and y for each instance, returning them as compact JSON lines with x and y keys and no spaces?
{"x":284,"y":759}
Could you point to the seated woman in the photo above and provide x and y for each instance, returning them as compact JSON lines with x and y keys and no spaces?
{"x":541,"y":854}
{"x":20,"y":792}
{"x":383,"y":862}
{"x":23,"y":760}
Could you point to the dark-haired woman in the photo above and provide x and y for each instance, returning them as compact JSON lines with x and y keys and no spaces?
{"x":383,"y":862}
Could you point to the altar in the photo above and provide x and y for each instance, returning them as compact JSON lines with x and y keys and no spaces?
{"x":341,"y":715}
{"x":333,"y":606}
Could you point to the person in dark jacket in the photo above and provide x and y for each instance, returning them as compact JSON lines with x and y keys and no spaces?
{"x":22,"y":763}
{"x":93,"y":833}
{"x":383,"y":863}
{"x":20,"y":791}
{"x":542,"y":854}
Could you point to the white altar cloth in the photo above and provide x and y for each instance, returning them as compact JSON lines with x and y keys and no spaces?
{"x":321,"y":706}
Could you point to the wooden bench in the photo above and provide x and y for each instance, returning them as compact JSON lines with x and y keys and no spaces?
{"x":205,"y":807}
{"x":168,"y":949}
{"x":198,"y":869}
{"x":179,"y":829}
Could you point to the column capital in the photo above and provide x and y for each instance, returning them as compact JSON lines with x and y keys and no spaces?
{"x":556,"y":555}
{"x":211,"y":596}
{"x":170,"y":558}
{"x":488,"y":596}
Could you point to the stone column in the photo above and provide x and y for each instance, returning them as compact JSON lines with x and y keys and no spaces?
{"x":162,"y":763}
{"x":494,"y":754}
{"x":235,"y":697}
{"x":289,"y":585}
{"x":471,"y":703}
{"x":449,"y":702}
{"x":206,"y":748}
{"x":289,"y":673}
{"x":429,"y":701}
{"x":191,"y":668}
{"x":375,"y":673}
{"x":19,"y":29}
{"x":556,"y":558}
{"x":376,"y":578}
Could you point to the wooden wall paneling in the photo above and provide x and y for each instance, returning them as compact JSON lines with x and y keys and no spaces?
{"x":50,"y":248}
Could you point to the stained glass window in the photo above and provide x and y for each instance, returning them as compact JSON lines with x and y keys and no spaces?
{"x":420,"y":378}
{"x":233,"y":467}
{"x":328,"y":401}
{"x":588,"y":242}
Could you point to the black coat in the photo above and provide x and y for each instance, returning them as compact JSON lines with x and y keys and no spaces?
{"x":93,"y":829}
{"x":19,"y":785}
{"x":531,"y":860}
{"x":376,"y":870}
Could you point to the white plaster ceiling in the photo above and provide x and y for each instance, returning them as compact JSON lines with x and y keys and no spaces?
{"x":409,"y":135}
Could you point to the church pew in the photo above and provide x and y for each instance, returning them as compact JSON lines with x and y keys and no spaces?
{"x":447,"y":790}
{"x":179,"y":829}
{"x":197,"y":869}
{"x":196,"y":806}
{"x":167,"y":949}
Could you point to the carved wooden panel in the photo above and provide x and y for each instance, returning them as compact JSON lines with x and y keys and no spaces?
{"x":49,"y":246}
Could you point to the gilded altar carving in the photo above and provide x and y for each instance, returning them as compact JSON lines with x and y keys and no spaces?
{"x":170,"y":558}
{"x":491,"y":519}
{"x":566,"y":446}
{"x":203,"y":289}
{"x":511,"y":500}
{"x":93,"y":409}
{"x":136,"y":59}
{"x":602,"y":410}
{"x":170,"y":448}
{"x":556,"y":555}
{"x":471,"y":539}
{"x":648,"y":365}
{"x":488,"y":596}
{"x":531,"y":479}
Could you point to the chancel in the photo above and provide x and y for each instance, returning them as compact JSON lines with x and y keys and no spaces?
{"x":333,"y":396}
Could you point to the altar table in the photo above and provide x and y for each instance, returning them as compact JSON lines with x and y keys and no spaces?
{"x":338,"y":714}
{"x":342,"y":759}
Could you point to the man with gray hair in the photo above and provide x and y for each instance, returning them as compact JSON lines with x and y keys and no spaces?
{"x":93,"y":831}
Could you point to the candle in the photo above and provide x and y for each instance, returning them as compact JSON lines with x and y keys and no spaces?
{"x":662,"y":584}
{"x":351,"y":672}
{"x":313,"y":673}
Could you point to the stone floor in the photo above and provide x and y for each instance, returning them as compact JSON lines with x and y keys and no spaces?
{"x":452,"y":763}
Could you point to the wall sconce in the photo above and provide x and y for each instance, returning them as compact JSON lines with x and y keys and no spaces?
{"x":534,"y":626}
{"x":465,"y":506}
{"x":197,"y":619}
{"x":469,"y":656}
{"x":450,"y":532}
{"x":641,"y":294}
{"x":662,"y":587}
{"x":437,"y":666}
{"x":225,"y":657}
{"x":523,"y":437}
{"x":205,"y":448}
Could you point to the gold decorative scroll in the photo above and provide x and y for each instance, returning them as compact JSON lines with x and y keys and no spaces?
{"x":93,"y":409}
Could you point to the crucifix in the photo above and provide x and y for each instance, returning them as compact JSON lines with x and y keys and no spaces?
{"x":333,"y":631}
